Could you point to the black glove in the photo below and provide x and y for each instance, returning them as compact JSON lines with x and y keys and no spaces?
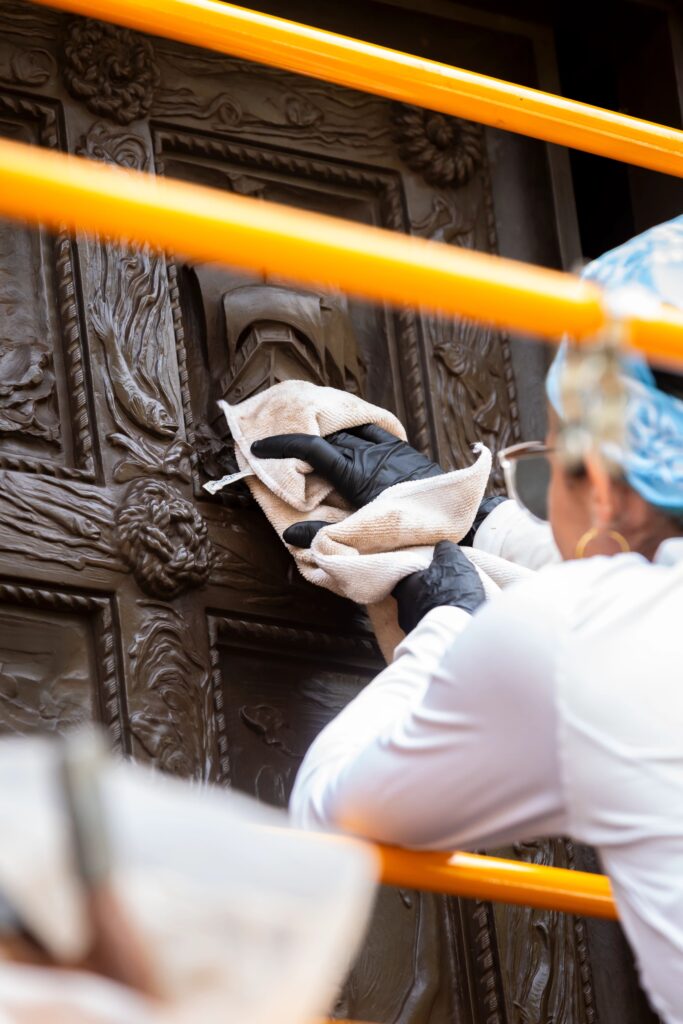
{"x":300,"y":535}
{"x":360,"y":463}
{"x":451,"y":579}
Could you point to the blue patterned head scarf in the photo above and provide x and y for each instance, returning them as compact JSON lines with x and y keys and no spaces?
{"x":646,"y":269}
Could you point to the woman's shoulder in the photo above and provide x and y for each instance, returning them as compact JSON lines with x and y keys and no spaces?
{"x":552,"y":597}
{"x":592,"y":589}
{"x":578,"y":576}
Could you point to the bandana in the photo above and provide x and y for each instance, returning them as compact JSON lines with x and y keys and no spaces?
{"x":645,"y":270}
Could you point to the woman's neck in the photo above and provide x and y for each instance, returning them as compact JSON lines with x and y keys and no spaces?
{"x":661,"y":529}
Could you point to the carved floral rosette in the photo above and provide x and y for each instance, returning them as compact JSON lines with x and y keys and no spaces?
{"x":446,"y":151}
{"x":163,"y":539}
{"x":111,"y":69}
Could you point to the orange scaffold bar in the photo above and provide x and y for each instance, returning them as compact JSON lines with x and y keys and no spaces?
{"x":42,"y":186}
{"x":398,"y":76}
{"x":475,"y":876}
{"x":492,"y":878}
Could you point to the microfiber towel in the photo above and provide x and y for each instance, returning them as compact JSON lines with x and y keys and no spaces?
{"x":364,"y":553}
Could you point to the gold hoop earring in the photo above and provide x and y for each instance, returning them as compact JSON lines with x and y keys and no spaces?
{"x":591,"y":534}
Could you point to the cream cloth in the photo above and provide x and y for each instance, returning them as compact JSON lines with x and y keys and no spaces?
{"x":364,"y":553}
{"x":243,"y":918}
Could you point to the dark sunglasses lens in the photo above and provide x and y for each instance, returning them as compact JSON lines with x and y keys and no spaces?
{"x":532,"y":480}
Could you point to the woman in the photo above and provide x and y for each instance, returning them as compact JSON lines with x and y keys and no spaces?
{"x":556,"y":709}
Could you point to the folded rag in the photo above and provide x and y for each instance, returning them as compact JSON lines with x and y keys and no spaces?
{"x":363,"y":554}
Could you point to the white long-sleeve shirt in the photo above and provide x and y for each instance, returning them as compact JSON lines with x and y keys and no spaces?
{"x":556,"y":710}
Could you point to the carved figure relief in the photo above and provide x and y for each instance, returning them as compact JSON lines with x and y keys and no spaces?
{"x":171,"y":698}
{"x":408,"y":988}
{"x":28,"y":404}
{"x":268,"y":334}
{"x":275,"y":334}
{"x":448,"y":220}
{"x":138,"y":387}
{"x":41,"y":340}
{"x":470,"y":382}
{"x":71,"y":676}
{"x":163,"y":539}
{"x":139,"y":404}
{"x":131,"y":319}
{"x":475,"y":387}
{"x":68,"y":524}
{"x":112,"y":70}
{"x":27,"y":385}
{"x":47,"y":690}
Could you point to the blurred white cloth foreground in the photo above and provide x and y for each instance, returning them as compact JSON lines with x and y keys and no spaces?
{"x":245,"y":919}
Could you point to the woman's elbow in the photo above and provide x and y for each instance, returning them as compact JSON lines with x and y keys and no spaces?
{"x":362,"y":811}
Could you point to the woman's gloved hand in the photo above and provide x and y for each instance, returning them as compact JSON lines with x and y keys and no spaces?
{"x":451,"y":579}
{"x":360,"y":463}
{"x":300,"y":535}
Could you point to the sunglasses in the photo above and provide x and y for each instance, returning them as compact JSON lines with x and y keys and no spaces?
{"x":527,"y":470}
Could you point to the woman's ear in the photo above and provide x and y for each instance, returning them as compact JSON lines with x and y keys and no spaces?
{"x":602,"y":496}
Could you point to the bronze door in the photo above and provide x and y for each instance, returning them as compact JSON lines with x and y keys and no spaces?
{"x":128,"y":594}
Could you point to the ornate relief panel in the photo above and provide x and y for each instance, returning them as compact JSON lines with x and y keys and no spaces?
{"x":173,"y":710}
{"x":44,"y":414}
{"x":471,"y":365}
{"x":383,"y":358}
{"x":130,"y":320}
{"x":279,"y":686}
{"x":47,"y":524}
{"x":71,"y":676}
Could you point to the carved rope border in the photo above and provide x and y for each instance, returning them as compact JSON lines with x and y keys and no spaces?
{"x":503,"y":337}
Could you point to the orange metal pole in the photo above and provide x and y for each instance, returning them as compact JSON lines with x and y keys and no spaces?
{"x":492,"y":878}
{"x":40,"y":185}
{"x":398,"y":76}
